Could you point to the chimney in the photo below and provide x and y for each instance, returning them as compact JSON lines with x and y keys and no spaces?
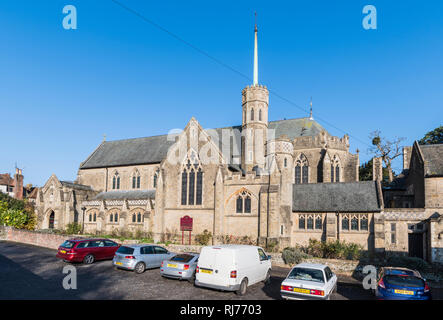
{"x":407,"y":151}
{"x":377,"y":169}
{"x":18,"y":184}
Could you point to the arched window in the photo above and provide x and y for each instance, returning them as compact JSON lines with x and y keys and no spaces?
{"x":51,"y":220}
{"x":116,"y":181}
{"x":354,"y":223}
{"x":310,"y":224}
{"x":133,"y":218}
{"x":301,"y":169}
{"x":259,"y":115}
{"x":318,"y":223}
{"x":364,"y":223}
{"x":192,"y":181}
{"x":335,"y":169}
{"x":113,"y":217}
{"x":95,"y":217}
{"x":301,"y":222}
{"x":139,"y":217}
{"x":136,"y":180}
{"x":90,"y":217}
{"x":286,"y":162}
{"x":157,"y":172}
{"x":252,"y":114}
{"x":345,"y":223}
{"x":243,"y":202}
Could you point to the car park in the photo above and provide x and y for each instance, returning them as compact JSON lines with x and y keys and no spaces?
{"x":401,"y":284}
{"x":308,"y":281}
{"x":232,"y":267}
{"x":87,"y":250}
{"x":139,"y":257}
{"x":181,"y":266}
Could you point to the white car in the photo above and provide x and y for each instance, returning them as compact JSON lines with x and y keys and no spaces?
{"x":309,"y":281}
{"x":232,"y":267}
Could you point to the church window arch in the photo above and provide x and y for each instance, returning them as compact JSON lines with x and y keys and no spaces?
{"x":116,"y":181}
{"x":301,"y":169}
{"x":252,"y":114}
{"x":113,"y":216}
{"x":136,"y":179}
{"x":192,"y":181}
{"x":259,"y":115}
{"x":243,"y":202}
{"x":335,"y":169}
{"x":310,"y":222}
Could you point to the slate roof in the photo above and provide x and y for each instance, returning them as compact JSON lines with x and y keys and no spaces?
{"x":359,"y":196}
{"x":73,"y":185}
{"x":433,"y":156}
{"x":154,"y":149}
{"x":126,"y":195}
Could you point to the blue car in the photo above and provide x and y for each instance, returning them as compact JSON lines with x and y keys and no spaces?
{"x":401,"y":284}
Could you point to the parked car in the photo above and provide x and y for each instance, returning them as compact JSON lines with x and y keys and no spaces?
{"x":139,"y":257}
{"x":87,"y":250}
{"x":309,"y":281}
{"x":232,"y":267}
{"x":182,"y":266}
{"x":401,"y":284}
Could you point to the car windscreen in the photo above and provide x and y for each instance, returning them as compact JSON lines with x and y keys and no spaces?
{"x":125,"y":250}
{"x":182,"y":258}
{"x":307,"y":274}
{"x":67,"y":244}
{"x":404,"y":281}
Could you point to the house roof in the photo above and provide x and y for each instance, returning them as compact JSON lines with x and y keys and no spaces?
{"x":126,"y":195}
{"x":73,"y":185}
{"x":433,"y":156}
{"x":6,"y":180}
{"x":359,"y":196}
{"x":154,"y":149}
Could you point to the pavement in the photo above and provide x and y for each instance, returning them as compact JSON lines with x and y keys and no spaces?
{"x":31,"y":272}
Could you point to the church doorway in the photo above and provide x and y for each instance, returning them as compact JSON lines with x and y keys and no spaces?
{"x":51,"y":220}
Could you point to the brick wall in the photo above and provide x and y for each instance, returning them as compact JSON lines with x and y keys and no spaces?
{"x":47,"y":240}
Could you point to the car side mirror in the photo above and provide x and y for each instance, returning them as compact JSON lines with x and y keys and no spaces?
{"x":269,"y":257}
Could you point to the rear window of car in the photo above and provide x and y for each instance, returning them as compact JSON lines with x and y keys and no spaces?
{"x":307,"y":274}
{"x":125,"y":250}
{"x":182,"y":258}
{"x":404,"y":281}
{"x":67,"y":244}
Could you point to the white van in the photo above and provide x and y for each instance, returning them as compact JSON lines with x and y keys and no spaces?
{"x":232,"y":267}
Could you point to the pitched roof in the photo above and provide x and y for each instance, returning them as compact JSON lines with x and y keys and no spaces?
{"x":154,"y":149}
{"x":359,"y":196}
{"x":73,"y":185}
{"x":5,"y":179}
{"x":433,"y":156}
{"x":126,"y":195}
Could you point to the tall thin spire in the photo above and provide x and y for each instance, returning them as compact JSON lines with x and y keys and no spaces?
{"x":255,"y":53}
{"x":310,"y":116}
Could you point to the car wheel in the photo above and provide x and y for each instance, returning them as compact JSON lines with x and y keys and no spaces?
{"x":243,"y":286}
{"x":268,"y":277}
{"x":139,"y":268}
{"x":192,"y":279}
{"x":88,"y":259}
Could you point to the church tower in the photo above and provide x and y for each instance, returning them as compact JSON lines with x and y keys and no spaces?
{"x":255,"y":99}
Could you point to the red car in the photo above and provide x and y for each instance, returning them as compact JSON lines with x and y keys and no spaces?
{"x":87,"y":250}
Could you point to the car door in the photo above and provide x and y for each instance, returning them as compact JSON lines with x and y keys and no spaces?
{"x":111,"y":247}
{"x":148,"y":256}
{"x":264,"y":264}
{"x":100,"y":249}
{"x":331,"y":280}
{"x":161,"y":254}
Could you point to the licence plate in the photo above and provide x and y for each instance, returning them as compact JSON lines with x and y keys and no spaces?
{"x":206,"y":271}
{"x":300,"y":290}
{"x":172,"y":265}
{"x":62,"y":251}
{"x":119,"y":263}
{"x":407,"y":292}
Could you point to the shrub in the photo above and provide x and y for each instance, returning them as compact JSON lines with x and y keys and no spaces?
{"x":314,"y":248}
{"x":408,"y":262}
{"x":333,"y":250}
{"x":73,"y":228}
{"x":14,"y":218}
{"x":293,"y":256}
{"x":203,"y":238}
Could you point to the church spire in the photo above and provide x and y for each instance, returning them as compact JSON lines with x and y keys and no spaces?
{"x":310,"y":115}
{"x":255,"y":53}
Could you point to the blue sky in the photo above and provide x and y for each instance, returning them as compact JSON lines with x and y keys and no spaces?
{"x":61,"y":90}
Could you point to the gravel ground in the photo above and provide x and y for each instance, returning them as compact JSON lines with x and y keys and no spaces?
{"x":30,"y":272}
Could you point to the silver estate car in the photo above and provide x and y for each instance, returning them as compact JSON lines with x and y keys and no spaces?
{"x":139,"y":257}
{"x":181,"y":266}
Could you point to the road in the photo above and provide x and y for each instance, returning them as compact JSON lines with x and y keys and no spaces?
{"x":30,"y":272}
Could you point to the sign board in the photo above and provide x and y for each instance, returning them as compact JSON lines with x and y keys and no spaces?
{"x":186,"y":223}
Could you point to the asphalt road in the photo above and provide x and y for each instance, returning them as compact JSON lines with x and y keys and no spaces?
{"x":30,"y":272}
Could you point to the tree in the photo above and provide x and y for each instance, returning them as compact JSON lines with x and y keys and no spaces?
{"x":365,"y":172}
{"x":433,"y":137}
{"x":388,"y":150}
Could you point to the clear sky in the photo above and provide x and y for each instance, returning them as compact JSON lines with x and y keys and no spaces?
{"x":61,"y":90}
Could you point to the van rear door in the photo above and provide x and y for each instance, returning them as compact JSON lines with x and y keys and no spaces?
{"x":215,"y":265}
